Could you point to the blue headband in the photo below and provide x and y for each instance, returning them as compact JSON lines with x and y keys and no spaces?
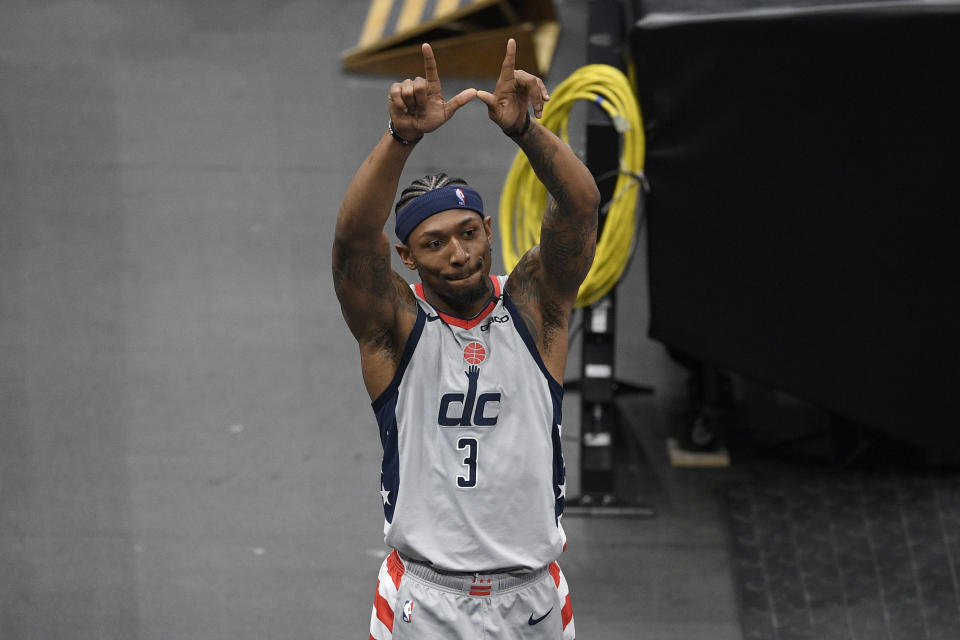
{"x":435,"y":201}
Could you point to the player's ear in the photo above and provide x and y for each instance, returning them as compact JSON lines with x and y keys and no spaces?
{"x":488,"y":229}
{"x":404,"y":252}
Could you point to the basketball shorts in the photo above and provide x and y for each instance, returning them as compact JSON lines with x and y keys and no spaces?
{"x":415,"y":602}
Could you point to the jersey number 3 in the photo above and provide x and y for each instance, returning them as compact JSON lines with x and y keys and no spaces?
{"x":469,"y":461}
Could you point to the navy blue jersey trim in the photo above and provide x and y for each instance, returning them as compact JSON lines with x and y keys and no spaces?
{"x":556,"y":392}
{"x":390,"y":467}
{"x":412,"y":341}
{"x":559,"y":468}
{"x":555,"y":386}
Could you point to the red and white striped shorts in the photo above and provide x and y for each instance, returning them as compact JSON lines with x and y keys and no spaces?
{"x":415,"y":601}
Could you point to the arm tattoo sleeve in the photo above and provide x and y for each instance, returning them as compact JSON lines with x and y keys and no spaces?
{"x":568,"y":232}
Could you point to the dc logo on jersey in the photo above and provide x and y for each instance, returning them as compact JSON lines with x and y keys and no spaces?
{"x":475,"y":410}
{"x":408,"y":611}
{"x":460,"y":197}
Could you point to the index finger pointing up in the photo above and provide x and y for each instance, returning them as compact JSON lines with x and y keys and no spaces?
{"x":429,"y":64}
{"x":509,"y":61}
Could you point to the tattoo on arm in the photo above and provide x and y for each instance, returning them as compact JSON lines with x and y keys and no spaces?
{"x":370,"y":273}
{"x":570,"y":255}
{"x":541,"y":155}
{"x":368,"y":270}
{"x":566,"y":232}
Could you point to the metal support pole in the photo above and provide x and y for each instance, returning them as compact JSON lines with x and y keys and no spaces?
{"x":600,"y":425}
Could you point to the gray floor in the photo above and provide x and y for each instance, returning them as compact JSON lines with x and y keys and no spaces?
{"x":186,"y":448}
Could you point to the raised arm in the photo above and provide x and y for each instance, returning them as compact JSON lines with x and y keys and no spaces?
{"x":545,"y":282}
{"x":376,"y":302}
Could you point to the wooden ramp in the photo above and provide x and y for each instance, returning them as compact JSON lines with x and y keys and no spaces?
{"x":468,"y":36}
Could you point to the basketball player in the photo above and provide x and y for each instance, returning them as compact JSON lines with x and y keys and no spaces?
{"x":464,"y":371}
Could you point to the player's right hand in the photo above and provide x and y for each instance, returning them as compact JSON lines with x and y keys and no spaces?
{"x":417,"y":106}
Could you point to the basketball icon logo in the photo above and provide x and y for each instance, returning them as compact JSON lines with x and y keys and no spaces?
{"x":474,"y":353}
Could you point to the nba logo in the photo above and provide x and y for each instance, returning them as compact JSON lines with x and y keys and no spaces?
{"x":408,"y":611}
{"x":460,"y":197}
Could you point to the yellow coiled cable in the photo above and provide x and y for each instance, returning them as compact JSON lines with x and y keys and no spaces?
{"x":524,"y":198}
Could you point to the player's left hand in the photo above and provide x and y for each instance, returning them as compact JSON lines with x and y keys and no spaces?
{"x":516,"y":89}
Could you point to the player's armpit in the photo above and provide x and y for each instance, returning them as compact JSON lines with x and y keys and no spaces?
{"x":545,"y":316}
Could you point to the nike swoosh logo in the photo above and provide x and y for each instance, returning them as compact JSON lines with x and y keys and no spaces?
{"x":431,"y":318}
{"x":532,"y":621}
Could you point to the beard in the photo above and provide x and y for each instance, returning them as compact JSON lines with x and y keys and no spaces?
{"x":471,"y":295}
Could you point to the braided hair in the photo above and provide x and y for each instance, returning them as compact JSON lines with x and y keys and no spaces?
{"x":422,"y":185}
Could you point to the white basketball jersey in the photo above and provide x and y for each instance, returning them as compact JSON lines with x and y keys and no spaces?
{"x":472,"y":477}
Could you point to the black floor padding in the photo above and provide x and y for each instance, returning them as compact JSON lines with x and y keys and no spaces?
{"x":858,"y":556}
